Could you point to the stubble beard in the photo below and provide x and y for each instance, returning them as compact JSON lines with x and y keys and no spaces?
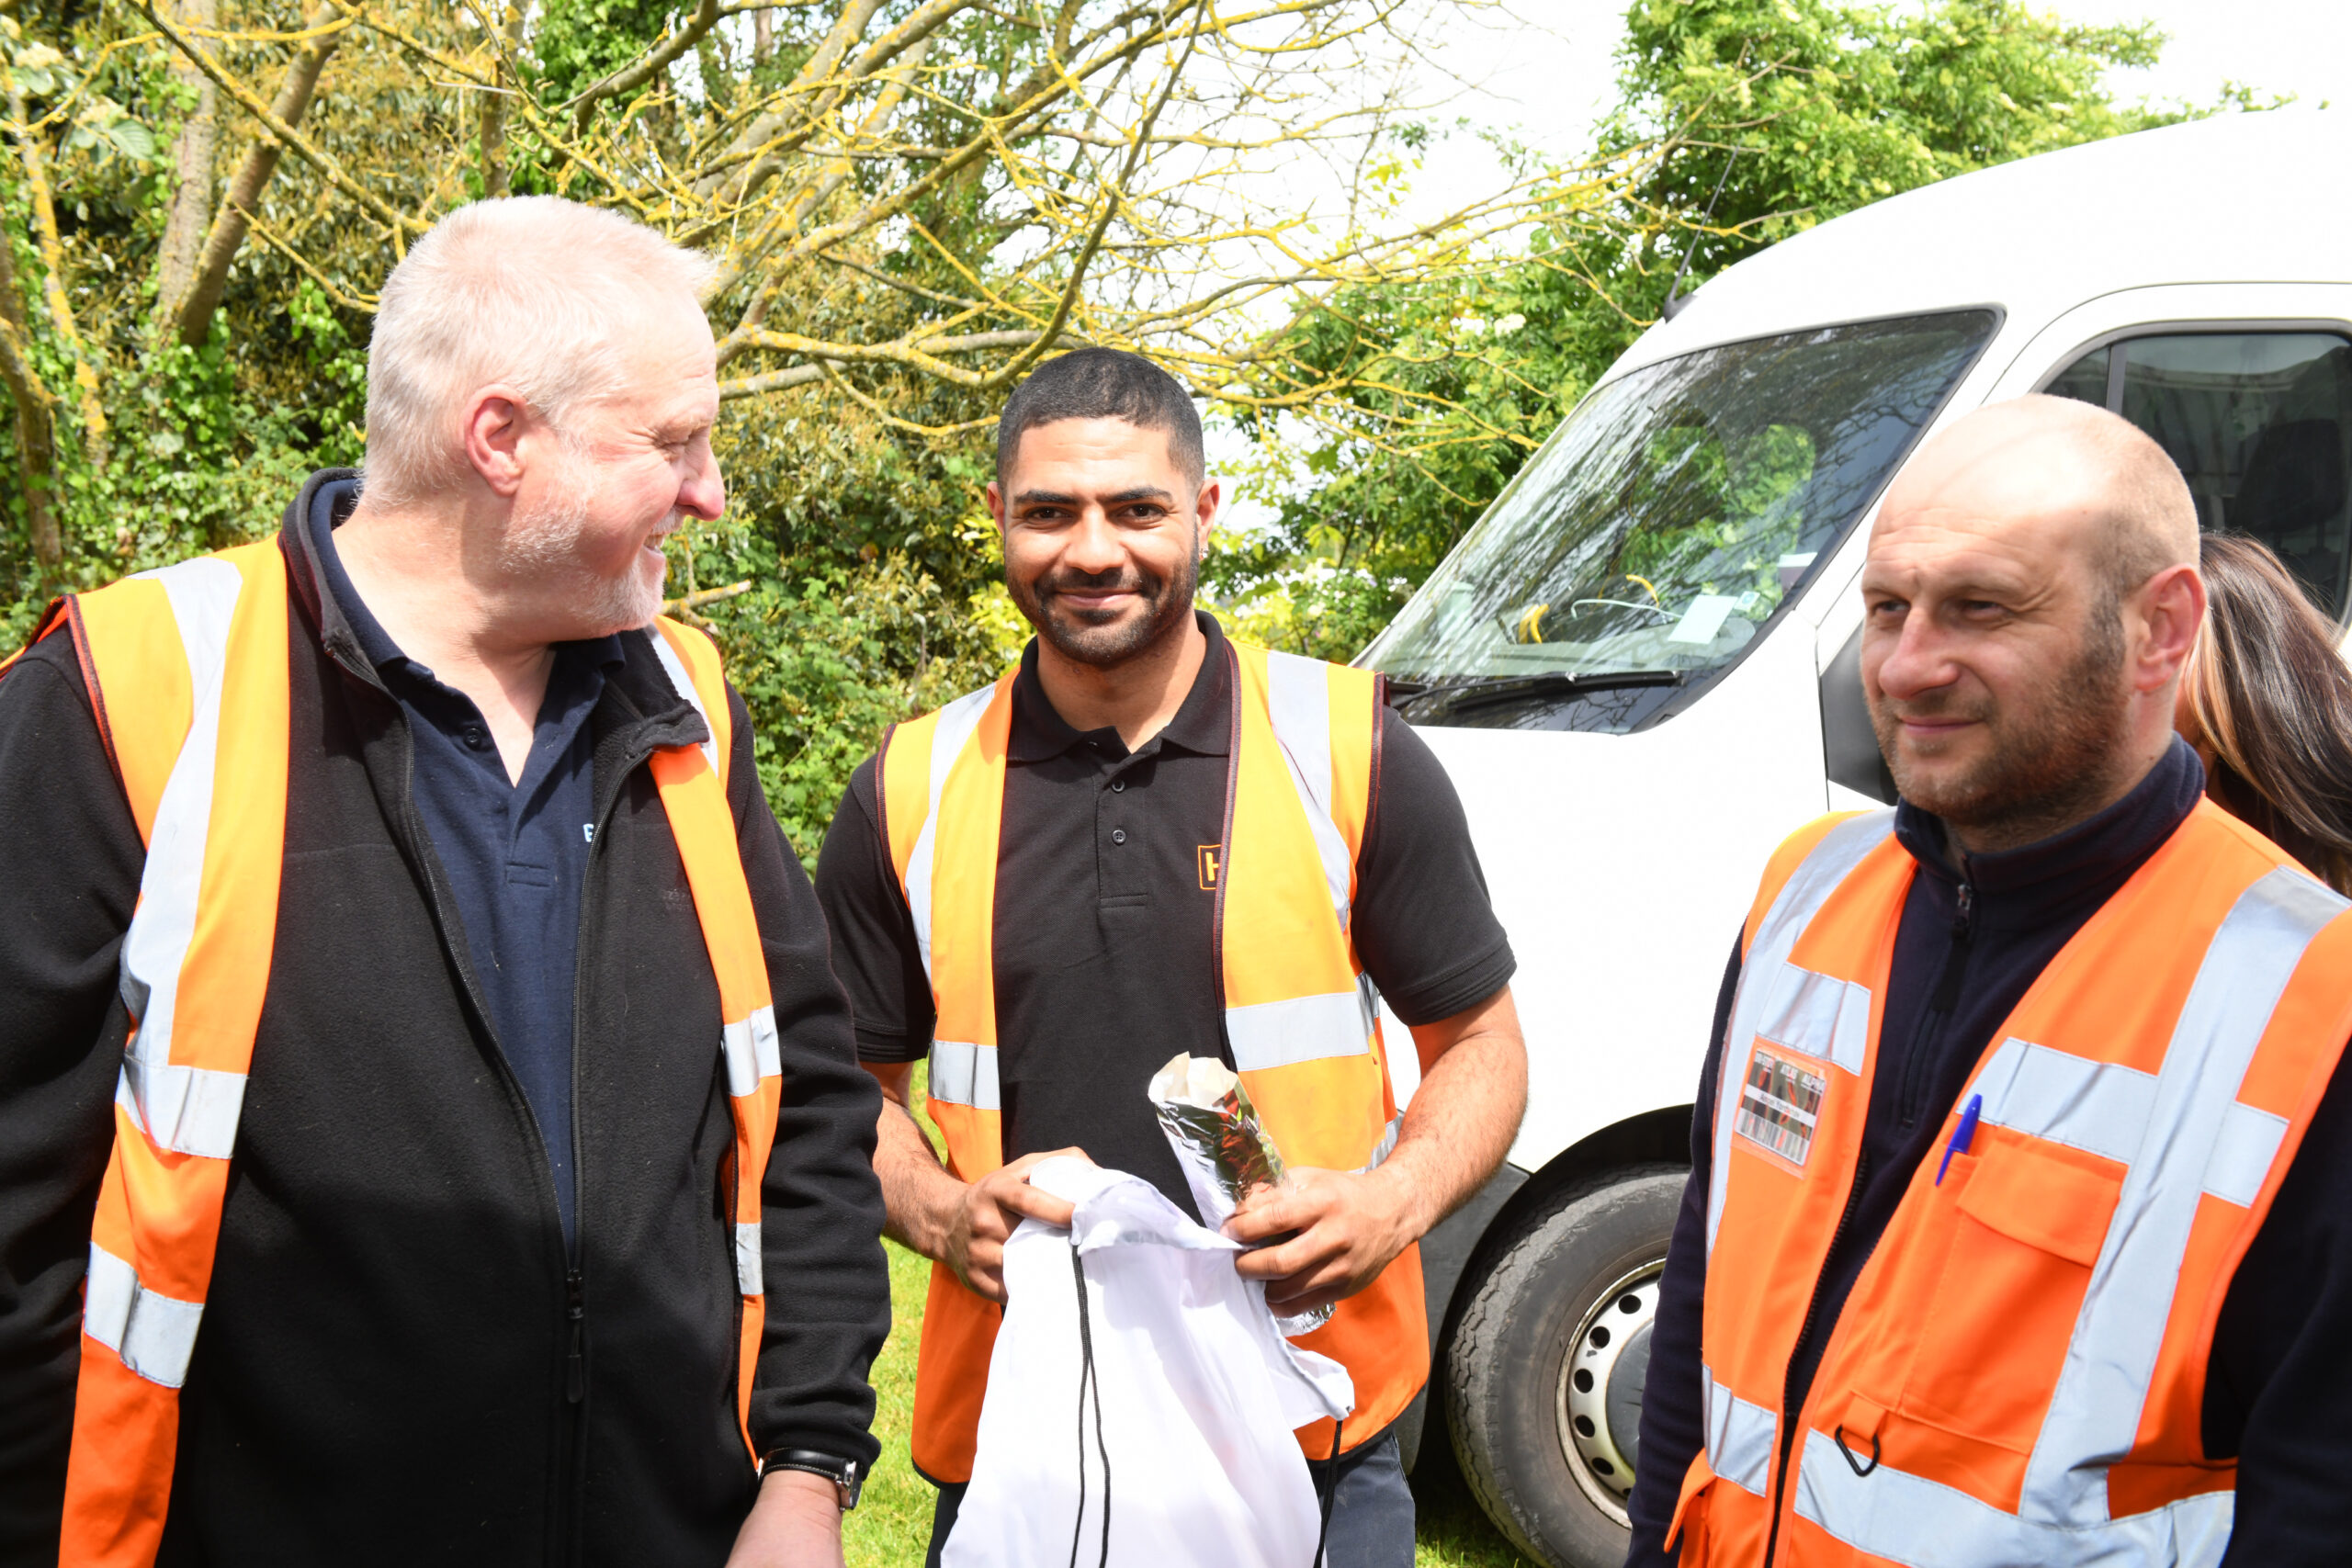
{"x":543,"y":547}
{"x":2054,"y":753}
{"x":1100,"y":643}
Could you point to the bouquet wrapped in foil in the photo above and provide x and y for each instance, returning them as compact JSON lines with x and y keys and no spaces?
{"x":1224,"y":1153}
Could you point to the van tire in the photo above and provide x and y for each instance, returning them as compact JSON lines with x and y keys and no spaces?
{"x":1503,"y":1375}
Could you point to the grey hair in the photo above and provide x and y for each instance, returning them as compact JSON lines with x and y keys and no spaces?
{"x":531,"y":292}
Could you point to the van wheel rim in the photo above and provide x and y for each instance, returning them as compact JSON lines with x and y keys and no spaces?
{"x":1611,"y":1348}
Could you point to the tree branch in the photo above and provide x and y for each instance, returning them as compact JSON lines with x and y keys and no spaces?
{"x":193,"y":155}
{"x":493,"y":108}
{"x":280,"y":136}
{"x":192,"y":314}
{"x":53,"y":258}
{"x":36,"y":436}
{"x":645,"y":69}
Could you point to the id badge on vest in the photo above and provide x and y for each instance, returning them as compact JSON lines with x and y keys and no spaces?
{"x":1780,"y":1103}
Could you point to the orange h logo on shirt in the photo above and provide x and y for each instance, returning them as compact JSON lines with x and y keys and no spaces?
{"x":1212,"y":859}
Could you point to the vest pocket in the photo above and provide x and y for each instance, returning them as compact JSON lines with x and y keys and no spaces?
{"x":1995,"y":1329}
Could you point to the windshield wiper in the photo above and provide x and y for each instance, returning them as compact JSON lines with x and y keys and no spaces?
{"x":1483,"y":691}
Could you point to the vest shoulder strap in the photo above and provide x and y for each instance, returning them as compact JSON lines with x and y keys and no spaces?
{"x":910,"y":767}
{"x":146,"y":643}
{"x":1783,"y":865}
{"x":1327,"y":720}
{"x":692,"y":661}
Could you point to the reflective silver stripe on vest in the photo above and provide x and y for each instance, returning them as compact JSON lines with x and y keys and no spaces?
{"x":2103,"y":1385}
{"x":1801,"y":897}
{"x":1739,"y":1437}
{"x":682,"y":682}
{"x":1923,"y":1524}
{"x":956,"y":722}
{"x":963,"y":1074}
{"x":1300,"y":1028}
{"x":1819,"y":1017}
{"x":2103,"y":1108}
{"x":2100,"y":1108}
{"x":2244,"y":1154}
{"x":1298,"y":698}
{"x":1386,"y":1146}
{"x":192,"y":1111}
{"x":751,"y":1052}
{"x":153,"y":1335}
{"x":750,"y":1277}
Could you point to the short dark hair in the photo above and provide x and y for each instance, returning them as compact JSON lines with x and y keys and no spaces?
{"x":1104,"y":383}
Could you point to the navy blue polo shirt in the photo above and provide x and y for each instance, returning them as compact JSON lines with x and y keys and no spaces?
{"x":515,"y":853}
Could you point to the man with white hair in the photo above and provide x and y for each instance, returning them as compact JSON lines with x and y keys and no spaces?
{"x":413,"y":1007}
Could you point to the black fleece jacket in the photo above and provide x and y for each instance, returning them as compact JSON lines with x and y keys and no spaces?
{"x":2278,"y":1391}
{"x":390,"y":1367}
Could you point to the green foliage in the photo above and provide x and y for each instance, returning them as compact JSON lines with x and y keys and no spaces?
{"x":581,"y":42}
{"x":854,"y":508}
{"x":859,"y":611}
{"x":864,"y":539}
{"x":1827,"y":105}
{"x":1832,"y":107}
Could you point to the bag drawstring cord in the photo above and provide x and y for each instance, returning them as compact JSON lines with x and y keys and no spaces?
{"x":1331,"y":1490}
{"x":1087,"y":1380}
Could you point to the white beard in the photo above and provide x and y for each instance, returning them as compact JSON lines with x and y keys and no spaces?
{"x":542,"y":546}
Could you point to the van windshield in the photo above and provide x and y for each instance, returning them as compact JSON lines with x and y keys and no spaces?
{"x":1666,"y":522}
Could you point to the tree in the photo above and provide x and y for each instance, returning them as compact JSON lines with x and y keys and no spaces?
{"x":1779,"y":114}
{"x":911,"y":202}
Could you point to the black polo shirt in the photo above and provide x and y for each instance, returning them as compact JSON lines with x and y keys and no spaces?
{"x":515,"y":854}
{"x":1104,"y":953}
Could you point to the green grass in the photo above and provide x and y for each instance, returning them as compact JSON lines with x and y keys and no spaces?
{"x":891,"y":1526}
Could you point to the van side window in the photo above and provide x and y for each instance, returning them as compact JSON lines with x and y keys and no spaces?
{"x":2261,"y":425}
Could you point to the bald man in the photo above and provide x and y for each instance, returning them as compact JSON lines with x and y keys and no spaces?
{"x":2017,"y":1231}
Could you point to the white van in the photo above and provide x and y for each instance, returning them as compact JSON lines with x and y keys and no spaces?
{"x":1641,"y":667}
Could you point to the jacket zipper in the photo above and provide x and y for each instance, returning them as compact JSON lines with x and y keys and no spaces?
{"x":564,"y":1533}
{"x":575,"y":1376}
{"x":1941,"y":1004}
{"x":575,"y":1284}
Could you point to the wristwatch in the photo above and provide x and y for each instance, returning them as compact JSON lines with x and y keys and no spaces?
{"x":847,"y":1476}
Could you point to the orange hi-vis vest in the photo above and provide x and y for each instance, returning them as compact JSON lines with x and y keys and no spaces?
{"x":1300,"y":1015}
{"x":2018,"y":1375}
{"x":187,"y":674}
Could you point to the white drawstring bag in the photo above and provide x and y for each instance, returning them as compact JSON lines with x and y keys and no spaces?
{"x":1153,"y":1424}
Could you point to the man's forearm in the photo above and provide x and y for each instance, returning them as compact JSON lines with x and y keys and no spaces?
{"x":963,"y":1225}
{"x":1459,"y":1126}
{"x":920,"y":1196}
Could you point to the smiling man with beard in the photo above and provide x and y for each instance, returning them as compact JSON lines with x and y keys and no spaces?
{"x":429,"y":1129}
{"x":2021,"y":1197}
{"x":1151,"y":841}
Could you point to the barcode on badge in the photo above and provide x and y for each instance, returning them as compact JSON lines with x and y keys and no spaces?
{"x":1779,"y":1104}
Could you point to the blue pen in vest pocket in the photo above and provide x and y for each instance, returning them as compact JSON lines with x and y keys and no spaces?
{"x":1961,"y":1136}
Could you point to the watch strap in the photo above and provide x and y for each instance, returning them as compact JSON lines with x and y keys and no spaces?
{"x":846,"y":1474}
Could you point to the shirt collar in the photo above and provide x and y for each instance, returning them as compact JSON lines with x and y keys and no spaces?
{"x":2102,"y":851}
{"x":1202,"y":726}
{"x":331,"y":507}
